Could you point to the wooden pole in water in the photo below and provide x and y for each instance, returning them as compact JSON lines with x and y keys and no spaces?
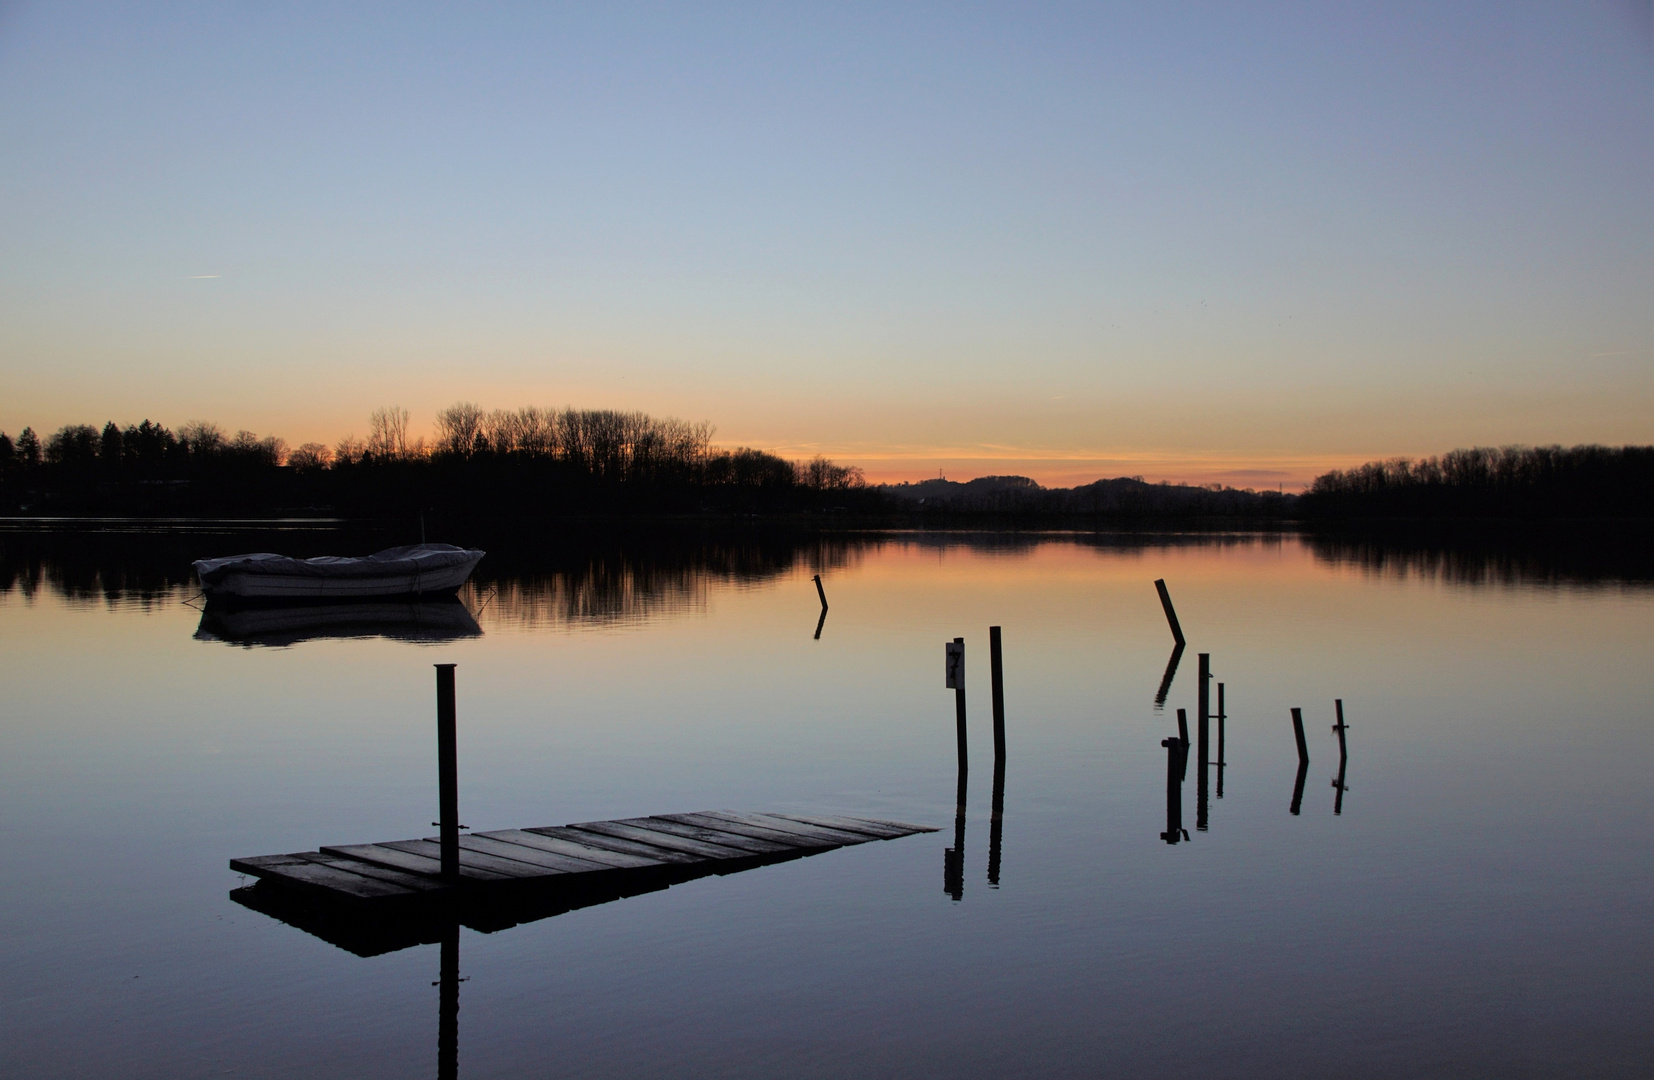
{"x":1203,"y":703}
{"x":1171,"y":613}
{"x":447,"y":772}
{"x":1203,"y":735}
{"x":1338,"y":704}
{"x":821,"y":593}
{"x":956,"y":676}
{"x":996,"y":667}
{"x":1298,"y":732}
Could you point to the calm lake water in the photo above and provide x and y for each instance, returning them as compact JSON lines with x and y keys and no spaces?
{"x":1481,"y":906}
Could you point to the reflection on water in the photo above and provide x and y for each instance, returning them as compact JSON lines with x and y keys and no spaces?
{"x":1502,"y":555}
{"x":429,"y":622}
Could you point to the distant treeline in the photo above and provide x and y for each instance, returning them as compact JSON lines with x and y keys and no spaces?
{"x":1123,"y":499}
{"x":1533,"y":482}
{"x":522,"y":463}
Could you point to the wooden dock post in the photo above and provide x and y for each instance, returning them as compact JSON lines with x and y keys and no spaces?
{"x":1298,"y":732}
{"x":1177,"y":761}
{"x":1171,"y":613}
{"x":1203,"y":738}
{"x":821,"y":593}
{"x":1338,"y":706}
{"x":996,"y":668}
{"x":956,"y":681}
{"x":447,"y":772}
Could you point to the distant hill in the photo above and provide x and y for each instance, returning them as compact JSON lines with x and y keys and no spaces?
{"x":1124,"y":497}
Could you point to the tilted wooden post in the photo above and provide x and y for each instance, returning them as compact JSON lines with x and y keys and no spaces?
{"x":1171,"y":613}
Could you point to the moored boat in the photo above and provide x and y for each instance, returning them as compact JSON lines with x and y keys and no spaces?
{"x":415,"y":570}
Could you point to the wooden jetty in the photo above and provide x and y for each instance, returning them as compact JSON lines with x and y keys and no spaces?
{"x":373,"y":898}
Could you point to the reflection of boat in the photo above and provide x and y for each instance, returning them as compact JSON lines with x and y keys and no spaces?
{"x":415,"y":570}
{"x":429,"y":621}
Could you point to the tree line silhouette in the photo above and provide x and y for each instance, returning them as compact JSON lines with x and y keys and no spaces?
{"x":504,"y":463}
{"x":1531,"y":482}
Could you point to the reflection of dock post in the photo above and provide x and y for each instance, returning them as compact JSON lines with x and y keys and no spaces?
{"x":1223,"y":715}
{"x":1203,"y":713}
{"x":447,"y":770}
{"x":1298,"y":787}
{"x":996,"y":823}
{"x":1171,"y":613}
{"x":1166,"y":679}
{"x":953,"y":859}
{"x":1343,"y":758}
{"x":447,"y":1037}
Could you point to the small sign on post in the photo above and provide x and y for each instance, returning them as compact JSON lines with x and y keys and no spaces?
{"x":956,"y":664}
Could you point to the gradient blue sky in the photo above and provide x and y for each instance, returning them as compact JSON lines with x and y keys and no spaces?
{"x":1237,"y":242}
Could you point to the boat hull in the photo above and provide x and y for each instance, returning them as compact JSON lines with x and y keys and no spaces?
{"x":262,"y":578}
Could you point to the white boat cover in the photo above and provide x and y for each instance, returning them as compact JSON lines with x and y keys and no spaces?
{"x":413,"y":559}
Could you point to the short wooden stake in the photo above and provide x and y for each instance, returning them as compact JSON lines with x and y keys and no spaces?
{"x":1298,"y":733}
{"x":821,"y":593}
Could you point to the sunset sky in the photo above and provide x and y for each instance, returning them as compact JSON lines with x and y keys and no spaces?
{"x":1193,"y":242}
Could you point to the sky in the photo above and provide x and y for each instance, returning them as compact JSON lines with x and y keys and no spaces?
{"x":1235,"y":243}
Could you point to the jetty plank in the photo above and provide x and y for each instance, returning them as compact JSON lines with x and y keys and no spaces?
{"x":303,"y":872}
{"x":786,"y":826}
{"x":882,"y":830}
{"x":663,"y":840}
{"x":756,"y":832}
{"x":711,"y":836}
{"x":617,"y":844}
{"x":385,"y":855}
{"x":618,"y":860}
{"x":552,"y":861}
{"x":480,"y":860}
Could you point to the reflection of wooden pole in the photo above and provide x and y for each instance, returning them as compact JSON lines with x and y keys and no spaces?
{"x":1298,"y":733}
{"x":447,"y":1032}
{"x":1171,"y":612}
{"x":447,"y":774}
{"x":1298,"y":788}
{"x":1166,"y":680}
{"x":821,"y":593}
{"x":996,"y":824}
{"x":1223,"y":716}
{"x":996,"y":668}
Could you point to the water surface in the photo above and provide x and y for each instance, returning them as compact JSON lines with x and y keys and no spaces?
{"x":1480,"y":907}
